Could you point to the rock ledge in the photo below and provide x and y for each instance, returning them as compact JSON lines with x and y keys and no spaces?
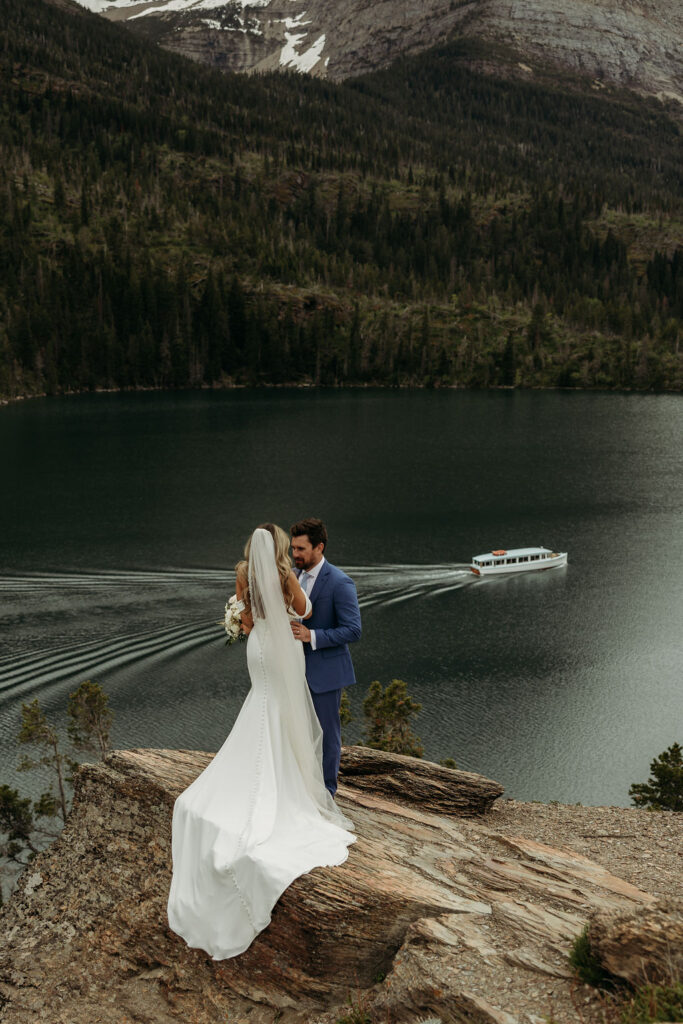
{"x":441,"y":910}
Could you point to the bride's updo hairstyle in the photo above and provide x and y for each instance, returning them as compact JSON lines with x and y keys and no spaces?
{"x":282,"y":560}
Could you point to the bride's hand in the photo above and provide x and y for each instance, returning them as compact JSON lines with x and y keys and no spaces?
{"x":301,"y":632}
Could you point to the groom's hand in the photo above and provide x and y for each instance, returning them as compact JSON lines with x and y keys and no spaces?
{"x":301,"y":632}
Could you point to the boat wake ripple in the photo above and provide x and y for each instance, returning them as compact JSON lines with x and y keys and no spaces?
{"x":384,"y":585}
{"x":37,"y":581}
{"x":378,"y":586}
{"x":24,"y":674}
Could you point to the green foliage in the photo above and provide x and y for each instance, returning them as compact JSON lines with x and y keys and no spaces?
{"x":23,"y":823}
{"x":651,"y":1003}
{"x":345,"y":713}
{"x":388,"y":713}
{"x":90,"y":719}
{"x":358,"y":1010}
{"x":164,"y":225}
{"x":356,"y":1015}
{"x":46,"y":806}
{"x":645,"y":1004}
{"x":448,"y":762}
{"x":664,"y":789}
{"x":16,"y":823}
{"x":22,"y":830}
{"x":586,"y":965}
{"x":37,"y":732}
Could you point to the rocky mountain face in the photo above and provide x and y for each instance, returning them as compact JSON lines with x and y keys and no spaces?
{"x":634,"y":43}
{"x":453,"y":904}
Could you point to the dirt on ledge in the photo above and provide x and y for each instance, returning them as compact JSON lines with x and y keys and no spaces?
{"x":452,"y":913}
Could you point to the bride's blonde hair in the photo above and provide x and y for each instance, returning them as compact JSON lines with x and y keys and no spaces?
{"x":282,"y":561}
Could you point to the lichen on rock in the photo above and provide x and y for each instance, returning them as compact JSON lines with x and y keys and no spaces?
{"x":442,"y":909}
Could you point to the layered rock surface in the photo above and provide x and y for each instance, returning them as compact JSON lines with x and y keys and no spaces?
{"x":439,"y":911}
{"x":641,"y":948}
{"x":636,"y":43}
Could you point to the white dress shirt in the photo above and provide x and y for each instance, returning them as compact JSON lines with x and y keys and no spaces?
{"x":307,"y":579}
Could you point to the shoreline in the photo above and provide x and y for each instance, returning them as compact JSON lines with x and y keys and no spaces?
{"x":6,"y":400}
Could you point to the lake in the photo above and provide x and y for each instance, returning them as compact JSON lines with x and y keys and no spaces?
{"x":123,"y":516}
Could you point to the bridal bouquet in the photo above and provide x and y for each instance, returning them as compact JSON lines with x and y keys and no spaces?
{"x":232,"y":622}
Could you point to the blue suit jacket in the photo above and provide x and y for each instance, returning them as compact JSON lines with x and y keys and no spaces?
{"x":336,"y":621}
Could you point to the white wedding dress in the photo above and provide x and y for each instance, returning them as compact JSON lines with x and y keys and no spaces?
{"x":259,"y":815}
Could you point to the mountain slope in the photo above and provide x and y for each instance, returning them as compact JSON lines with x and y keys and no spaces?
{"x":631,"y":43}
{"x":165,"y":225}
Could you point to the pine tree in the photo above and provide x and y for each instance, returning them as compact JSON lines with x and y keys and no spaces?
{"x":89,"y":719}
{"x":36,"y":731}
{"x":663,"y":791}
{"x":388,"y":715}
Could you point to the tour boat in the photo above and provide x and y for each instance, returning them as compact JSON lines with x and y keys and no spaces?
{"x":517,"y":560}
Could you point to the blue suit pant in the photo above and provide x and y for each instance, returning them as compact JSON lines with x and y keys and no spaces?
{"x":327,"y":709}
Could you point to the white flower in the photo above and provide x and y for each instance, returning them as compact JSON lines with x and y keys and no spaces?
{"x":232,"y":621}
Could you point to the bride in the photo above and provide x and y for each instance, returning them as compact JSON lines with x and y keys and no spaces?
{"x":259,"y":815}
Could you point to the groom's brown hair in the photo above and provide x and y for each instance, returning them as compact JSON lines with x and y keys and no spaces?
{"x":314,"y":529}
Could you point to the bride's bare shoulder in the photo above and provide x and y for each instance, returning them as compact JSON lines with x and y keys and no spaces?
{"x":300,"y":602}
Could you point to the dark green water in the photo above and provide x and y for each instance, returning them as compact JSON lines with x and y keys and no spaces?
{"x":123,"y":515}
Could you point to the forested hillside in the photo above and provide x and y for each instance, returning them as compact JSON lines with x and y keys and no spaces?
{"x":162,"y":225}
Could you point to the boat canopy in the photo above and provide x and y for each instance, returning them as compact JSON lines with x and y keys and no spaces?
{"x":515,"y":552}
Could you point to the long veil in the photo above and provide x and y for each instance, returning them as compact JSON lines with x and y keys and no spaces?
{"x":294,"y":699}
{"x":259,"y":814}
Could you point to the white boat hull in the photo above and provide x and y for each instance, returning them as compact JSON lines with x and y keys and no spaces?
{"x":501,"y":568}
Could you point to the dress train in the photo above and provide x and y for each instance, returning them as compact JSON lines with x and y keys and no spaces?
{"x":255,"y":819}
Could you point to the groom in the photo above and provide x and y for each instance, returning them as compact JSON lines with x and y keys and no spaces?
{"x":334,"y":624}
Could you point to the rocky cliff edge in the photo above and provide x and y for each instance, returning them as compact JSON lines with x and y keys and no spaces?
{"x":453,"y":904}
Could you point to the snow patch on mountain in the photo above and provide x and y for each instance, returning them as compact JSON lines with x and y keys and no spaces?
{"x":304,"y":62}
{"x":252,"y":28}
{"x":97,"y":6}
{"x":101,"y":6}
{"x":187,"y":6}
